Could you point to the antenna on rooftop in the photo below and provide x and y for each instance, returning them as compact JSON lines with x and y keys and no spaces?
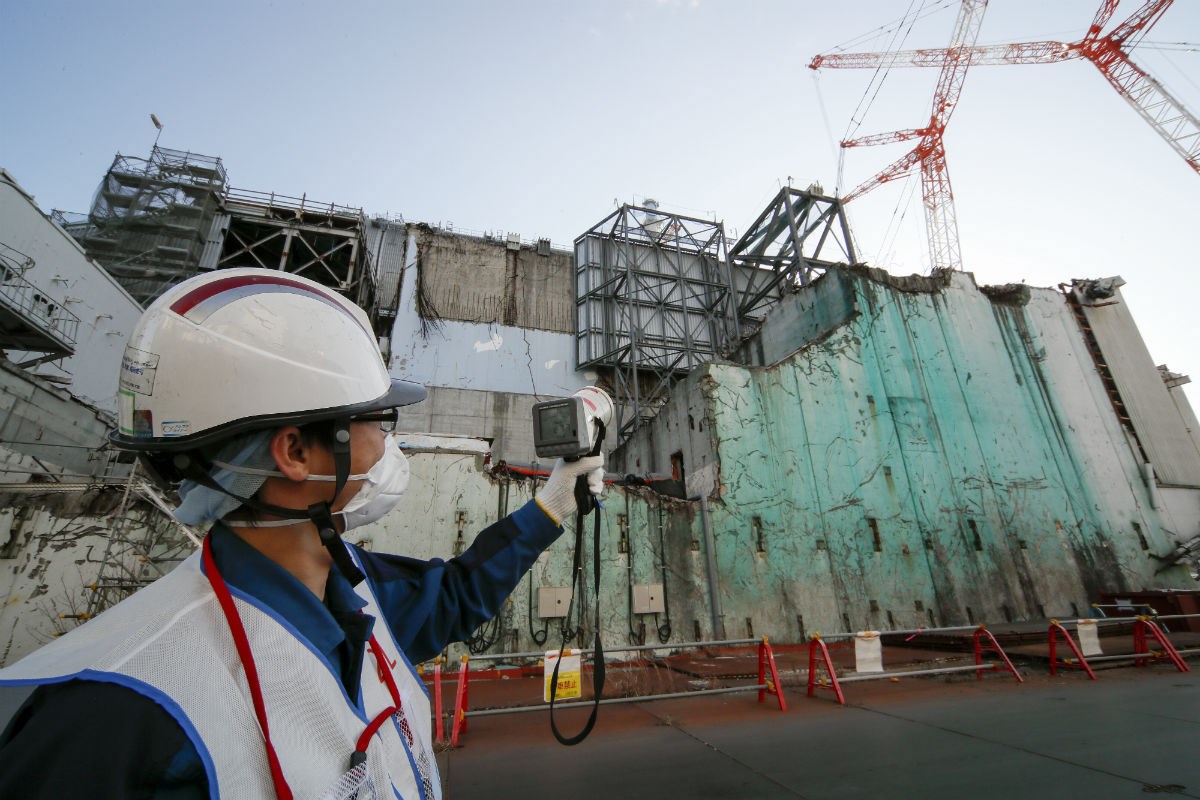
{"x":159,"y":126}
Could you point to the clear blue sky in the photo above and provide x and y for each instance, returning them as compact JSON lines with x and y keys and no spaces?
{"x":535,"y":117}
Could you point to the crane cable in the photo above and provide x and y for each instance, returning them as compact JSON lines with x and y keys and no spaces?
{"x":881,"y":72}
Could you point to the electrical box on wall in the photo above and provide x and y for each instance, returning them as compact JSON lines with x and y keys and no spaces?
{"x":553,"y":601}
{"x":648,"y":598}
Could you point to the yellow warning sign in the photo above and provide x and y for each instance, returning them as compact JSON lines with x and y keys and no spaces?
{"x":569,"y":675}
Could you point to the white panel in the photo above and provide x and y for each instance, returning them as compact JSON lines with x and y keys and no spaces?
{"x":648,"y":598}
{"x":553,"y":601}
{"x":64,"y":274}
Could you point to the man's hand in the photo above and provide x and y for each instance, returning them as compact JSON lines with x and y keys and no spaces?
{"x":557,"y":497}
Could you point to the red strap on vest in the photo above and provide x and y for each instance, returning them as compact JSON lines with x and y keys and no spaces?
{"x":385,"y":673}
{"x":373,"y":728}
{"x":242,"y":642}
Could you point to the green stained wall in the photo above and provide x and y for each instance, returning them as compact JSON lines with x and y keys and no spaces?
{"x":933,"y":453}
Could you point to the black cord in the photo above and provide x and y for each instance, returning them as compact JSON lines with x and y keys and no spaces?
{"x":664,"y":630}
{"x":539,"y":637}
{"x":598,"y":646}
{"x":585,"y":503}
{"x":485,"y":636}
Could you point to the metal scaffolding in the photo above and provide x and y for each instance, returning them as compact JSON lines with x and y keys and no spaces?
{"x":151,"y":217}
{"x":652,"y":297}
{"x":794,"y":240}
{"x":141,"y":546}
{"x":157,"y":221}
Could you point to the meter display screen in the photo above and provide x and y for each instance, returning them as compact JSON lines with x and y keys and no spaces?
{"x":558,"y":423}
{"x":560,"y":428}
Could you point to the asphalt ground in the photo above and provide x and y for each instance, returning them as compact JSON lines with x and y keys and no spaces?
{"x":1133,"y":733}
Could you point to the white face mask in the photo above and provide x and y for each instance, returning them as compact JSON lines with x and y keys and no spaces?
{"x":382,"y":486}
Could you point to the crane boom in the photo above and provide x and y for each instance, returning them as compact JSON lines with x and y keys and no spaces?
{"x":1165,"y":113}
{"x":1173,"y":122}
{"x":1018,"y":53}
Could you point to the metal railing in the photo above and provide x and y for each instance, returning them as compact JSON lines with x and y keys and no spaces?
{"x":48,"y":315}
{"x":272,"y":202}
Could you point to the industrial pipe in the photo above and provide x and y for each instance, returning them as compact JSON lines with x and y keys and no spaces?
{"x":710,"y":553}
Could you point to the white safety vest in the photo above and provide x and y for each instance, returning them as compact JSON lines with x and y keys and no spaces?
{"x":171,"y":643}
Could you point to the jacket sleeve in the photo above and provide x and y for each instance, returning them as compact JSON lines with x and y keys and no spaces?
{"x":97,"y":740}
{"x":429,"y":604}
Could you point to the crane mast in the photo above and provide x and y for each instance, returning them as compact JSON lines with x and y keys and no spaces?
{"x":930,"y":151}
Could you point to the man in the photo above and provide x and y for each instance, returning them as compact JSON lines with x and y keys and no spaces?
{"x":278,"y":661}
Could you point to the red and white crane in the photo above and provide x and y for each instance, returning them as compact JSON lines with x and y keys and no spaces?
{"x":930,"y":152}
{"x":1110,"y":53}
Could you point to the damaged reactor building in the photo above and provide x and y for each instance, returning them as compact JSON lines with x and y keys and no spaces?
{"x":803,"y":442}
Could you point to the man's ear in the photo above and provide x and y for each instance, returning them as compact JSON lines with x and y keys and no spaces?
{"x":292,"y":454}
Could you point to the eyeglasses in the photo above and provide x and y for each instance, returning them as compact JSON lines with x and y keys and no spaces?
{"x":386,"y":418}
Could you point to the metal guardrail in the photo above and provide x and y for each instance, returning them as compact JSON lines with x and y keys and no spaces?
{"x":301,"y":205}
{"x":630,"y":649}
{"x":25,"y":299}
{"x":768,"y":682}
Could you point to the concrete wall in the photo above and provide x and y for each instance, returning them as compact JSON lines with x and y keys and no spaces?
{"x":945,"y":455}
{"x":62,"y":272}
{"x":469,"y":279}
{"x":44,"y":431}
{"x":53,"y":544}
{"x":1161,"y":428}
{"x":502,"y":418}
{"x":645,"y":539}
{"x":483,"y":375}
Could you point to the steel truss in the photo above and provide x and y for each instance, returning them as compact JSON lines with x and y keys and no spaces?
{"x":324,"y":242}
{"x":796,"y":238}
{"x":652,"y":298}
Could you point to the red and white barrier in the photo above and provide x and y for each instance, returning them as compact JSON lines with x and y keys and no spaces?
{"x":869,"y":661}
{"x":1089,"y":651}
{"x":768,"y":681}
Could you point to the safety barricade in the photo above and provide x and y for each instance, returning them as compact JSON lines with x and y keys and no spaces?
{"x":767,"y":683}
{"x":869,"y":658}
{"x":436,"y":692}
{"x":1089,"y":651}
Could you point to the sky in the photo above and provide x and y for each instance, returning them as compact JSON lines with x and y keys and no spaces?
{"x":541,"y":117}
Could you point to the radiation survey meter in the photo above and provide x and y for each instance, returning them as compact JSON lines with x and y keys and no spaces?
{"x":572,"y":427}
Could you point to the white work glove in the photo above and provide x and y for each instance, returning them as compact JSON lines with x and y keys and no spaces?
{"x":557,"y":497}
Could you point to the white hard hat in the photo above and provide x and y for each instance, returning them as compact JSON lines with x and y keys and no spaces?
{"x":242,"y":349}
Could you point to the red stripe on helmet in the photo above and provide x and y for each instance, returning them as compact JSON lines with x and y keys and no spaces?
{"x":201,"y":293}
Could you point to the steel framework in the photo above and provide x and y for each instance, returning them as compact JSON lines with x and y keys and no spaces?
{"x":159,"y":220}
{"x":794,"y":240}
{"x":321,"y":241}
{"x":151,"y":217}
{"x":653,"y":298}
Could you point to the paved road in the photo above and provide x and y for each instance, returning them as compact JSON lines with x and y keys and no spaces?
{"x":1132,"y":734}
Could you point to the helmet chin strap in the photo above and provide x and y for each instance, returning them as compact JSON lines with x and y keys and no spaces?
{"x":320,"y":513}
